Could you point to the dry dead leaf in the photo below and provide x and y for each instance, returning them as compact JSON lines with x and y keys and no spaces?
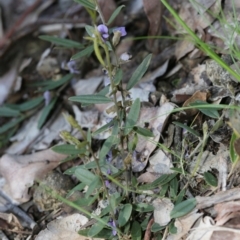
{"x":153,"y":10}
{"x":196,"y":81}
{"x":203,"y":229}
{"x":225,"y":210}
{"x":162,"y":210}
{"x":88,"y":86}
{"x":229,"y":195}
{"x":11,"y":219}
{"x":65,"y":228}
{"x":184,"y":224}
{"x":108,"y":8}
{"x":202,"y":96}
{"x":156,"y":117}
{"x":21,"y":171}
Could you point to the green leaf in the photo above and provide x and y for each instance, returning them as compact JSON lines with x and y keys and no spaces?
{"x":164,"y":179}
{"x":30,"y":104}
{"x":173,"y":187}
{"x":172,"y":228}
{"x":143,"y":131}
{"x":85,"y":52}
{"x":211,"y":112}
{"x":180,"y":196}
{"x":97,"y":227}
{"x":62,"y":42}
{"x":67,"y":149}
{"x":90,"y":30}
{"x":104,"y":127}
{"x":96,"y":183}
{"x":92,"y":99}
{"x":132,"y":116}
{"x":210,"y":179}
{"x":233,"y":155}
{"x":183,"y":208}
{"x":143,"y":207}
{"x":11,"y":124}
{"x":112,"y":140}
{"x":139,"y":72}
{"x":84,"y":176}
{"x":164,"y":190}
{"x":45,"y":112}
{"x":87,"y":4}
{"x":136,"y":231}
{"x":192,"y":131}
{"x":156,"y":227}
{"x":118,"y":77}
{"x":124,"y":214}
{"x":8,"y":112}
{"x":55,"y":84}
{"x":114,"y":15}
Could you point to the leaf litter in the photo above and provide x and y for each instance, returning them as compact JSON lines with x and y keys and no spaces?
{"x":178,"y":75}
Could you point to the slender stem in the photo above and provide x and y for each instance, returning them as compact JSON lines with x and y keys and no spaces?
{"x":100,"y":12}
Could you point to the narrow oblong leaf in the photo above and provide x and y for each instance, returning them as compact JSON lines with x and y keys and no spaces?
{"x":87,"y":4}
{"x":143,"y":131}
{"x":112,"y":140}
{"x":67,"y":149}
{"x":118,"y":76}
{"x":85,"y":52}
{"x":11,"y":124}
{"x":8,"y":112}
{"x":194,"y":132}
{"x":233,"y":155}
{"x":97,"y":227}
{"x":143,"y":207}
{"x":210,"y":112}
{"x":104,"y":127}
{"x":210,"y":179}
{"x":132,"y":116}
{"x":183,"y":208}
{"x":136,"y":231}
{"x":55,"y":84}
{"x":91,"y":99}
{"x":124,"y":214}
{"x":139,"y":72}
{"x":61,"y":41}
{"x":84,"y":175}
{"x":96,"y":183}
{"x":115,"y":13}
{"x":46,"y":110}
{"x":31,"y":104}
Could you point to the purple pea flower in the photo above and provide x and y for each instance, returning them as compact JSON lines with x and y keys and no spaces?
{"x":72,"y":66}
{"x":103,"y":30}
{"x":112,"y":224}
{"x":122,"y":30}
{"x":47,"y":97}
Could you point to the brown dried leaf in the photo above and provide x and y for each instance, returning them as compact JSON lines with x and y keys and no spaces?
{"x":153,"y":10}
{"x":107,"y":8}
{"x":65,"y":228}
{"x":21,"y":171}
{"x":202,"y":96}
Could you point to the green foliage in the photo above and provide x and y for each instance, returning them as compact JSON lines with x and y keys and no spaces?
{"x":139,"y":72}
{"x":210,"y":179}
{"x":85,"y":52}
{"x":62,"y":42}
{"x":87,"y":4}
{"x":114,"y":15}
{"x":46,"y":111}
{"x":183,"y":208}
{"x":91,"y":99}
{"x":8,"y":112}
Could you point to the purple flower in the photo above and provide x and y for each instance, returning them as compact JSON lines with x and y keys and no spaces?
{"x":103,"y":30}
{"x":47,"y":96}
{"x":107,"y":184}
{"x":112,"y":224}
{"x":72,"y":66}
{"x":122,"y":30}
